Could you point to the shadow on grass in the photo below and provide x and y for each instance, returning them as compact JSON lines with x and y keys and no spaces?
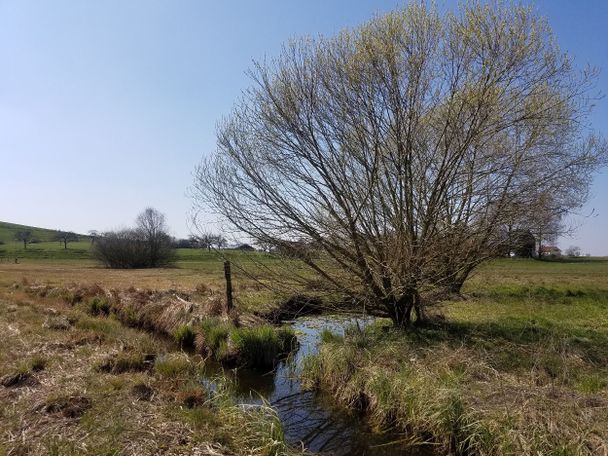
{"x":574,"y":260}
{"x":543,"y":294}
{"x":513,"y":337}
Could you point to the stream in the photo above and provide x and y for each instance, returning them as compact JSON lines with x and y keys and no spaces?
{"x":313,"y":419}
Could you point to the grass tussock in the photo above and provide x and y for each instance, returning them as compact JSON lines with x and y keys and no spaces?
{"x":184,"y":336}
{"x":261,"y":346}
{"x":254,"y":429}
{"x":98,"y":305}
{"x":257,"y":347}
{"x":174,"y":365}
{"x":191,"y":397}
{"x":68,"y":406}
{"x":125,"y":362}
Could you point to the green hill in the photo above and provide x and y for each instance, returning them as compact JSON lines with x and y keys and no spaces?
{"x":8,"y":231}
{"x":43,"y":245}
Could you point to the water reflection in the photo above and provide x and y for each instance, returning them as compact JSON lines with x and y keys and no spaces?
{"x":313,"y":420}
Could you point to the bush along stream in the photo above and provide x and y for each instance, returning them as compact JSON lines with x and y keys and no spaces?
{"x":310,"y":419}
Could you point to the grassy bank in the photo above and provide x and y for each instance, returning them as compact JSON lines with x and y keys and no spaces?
{"x":519,"y":367}
{"x":76,"y":383}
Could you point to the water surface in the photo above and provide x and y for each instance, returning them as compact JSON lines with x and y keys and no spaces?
{"x":312,"y":419}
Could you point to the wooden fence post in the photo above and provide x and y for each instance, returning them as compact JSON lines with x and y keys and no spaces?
{"x":228,"y":276}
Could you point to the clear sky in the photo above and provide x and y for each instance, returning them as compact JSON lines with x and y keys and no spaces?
{"x":107,"y":106}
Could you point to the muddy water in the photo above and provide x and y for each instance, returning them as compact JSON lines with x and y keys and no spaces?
{"x":313,"y":420}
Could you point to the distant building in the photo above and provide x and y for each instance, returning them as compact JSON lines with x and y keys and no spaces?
{"x":245,"y":247}
{"x":550,"y":251}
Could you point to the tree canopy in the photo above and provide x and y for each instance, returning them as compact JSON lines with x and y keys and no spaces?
{"x":402,"y":148}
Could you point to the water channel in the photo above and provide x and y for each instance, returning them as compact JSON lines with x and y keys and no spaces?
{"x":312,"y":419}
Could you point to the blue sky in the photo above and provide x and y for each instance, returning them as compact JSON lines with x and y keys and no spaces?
{"x":107,"y":106}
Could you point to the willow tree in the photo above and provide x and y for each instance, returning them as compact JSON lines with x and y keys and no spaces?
{"x":401,"y":148}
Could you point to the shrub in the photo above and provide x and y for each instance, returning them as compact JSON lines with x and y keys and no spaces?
{"x":184,"y":336}
{"x":213,"y":335}
{"x":98,"y":305}
{"x":173,"y":366}
{"x":147,"y":246}
{"x":260,"y":347}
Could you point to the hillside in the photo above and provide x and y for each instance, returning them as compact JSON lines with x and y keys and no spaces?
{"x":44,"y":245}
{"x":8,"y":231}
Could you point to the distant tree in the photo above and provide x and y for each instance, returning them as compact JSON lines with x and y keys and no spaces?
{"x":182,"y":243}
{"x":147,"y":245}
{"x":194,"y":241}
{"x":219,"y":241}
{"x":208,"y":240}
{"x":65,"y":237}
{"x":573,"y":251}
{"x":524,"y":243}
{"x":246,"y":248}
{"x":205,"y":240}
{"x":517,"y":241}
{"x":265,"y":246}
{"x":545,"y":220}
{"x":24,"y":236}
{"x":152,"y":229}
{"x":93,"y":234}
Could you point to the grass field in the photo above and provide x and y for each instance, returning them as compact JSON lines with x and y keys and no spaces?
{"x":518,"y":367}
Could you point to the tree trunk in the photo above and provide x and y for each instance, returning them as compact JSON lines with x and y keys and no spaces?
{"x":400,"y":310}
{"x":456,"y":285}
{"x":25,"y":244}
{"x":65,"y":244}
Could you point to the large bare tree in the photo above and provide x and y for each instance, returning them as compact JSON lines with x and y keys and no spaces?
{"x":401,"y":149}
{"x":152,"y":229}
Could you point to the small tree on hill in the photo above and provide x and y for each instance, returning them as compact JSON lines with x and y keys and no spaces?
{"x":219,"y":241}
{"x":24,"y":236}
{"x":65,"y":237}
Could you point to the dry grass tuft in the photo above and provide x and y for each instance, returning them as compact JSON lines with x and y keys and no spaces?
{"x":191,"y":397}
{"x":68,"y":406}
{"x":15,"y":379}
{"x":142,"y":391}
{"x":124,"y":362}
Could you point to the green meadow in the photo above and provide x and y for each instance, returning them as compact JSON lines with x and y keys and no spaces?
{"x":516,"y":365}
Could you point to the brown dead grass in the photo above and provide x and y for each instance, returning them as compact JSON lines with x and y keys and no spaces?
{"x":67,"y":404}
{"x":85,"y":273}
